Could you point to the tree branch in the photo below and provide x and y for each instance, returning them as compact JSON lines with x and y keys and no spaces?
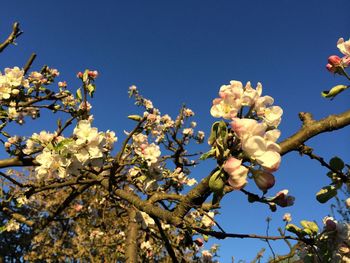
{"x":131,"y":240}
{"x":222,"y":235}
{"x":167,"y":244}
{"x":16,"y":161}
{"x":312,"y":128}
{"x":16,"y":32}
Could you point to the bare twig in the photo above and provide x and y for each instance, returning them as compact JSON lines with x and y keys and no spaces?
{"x":16,"y":32}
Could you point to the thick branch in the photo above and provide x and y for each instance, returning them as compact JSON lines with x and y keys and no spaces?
{"x":142,"y":205}
{"x":11,"y":162}
{"x":131,"y":240}
{"x":312,"y":128}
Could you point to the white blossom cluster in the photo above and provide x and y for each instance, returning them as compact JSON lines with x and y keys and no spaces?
{"x":64,"y":156}
{"x":148,"y":152}
{"x":256,"y":129}
{"x":11,"y":81}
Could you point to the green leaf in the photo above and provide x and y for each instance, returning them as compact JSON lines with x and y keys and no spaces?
{"x":2,"y":228}
{"x":5,"y":134}
{"x":333,"y":91}
{"x":309,"y":225}
{"x":307,"y":232}
{"x":59,"y":146}
{"x":293,"y":229}
{"x":216,"y":182}
{"x":210,"y":153}
{"x":86,"y":75}
{"x":336,"y":163}
{"x":91,"y":89}
{"x":79,"y":95}
{"x":213,"y":133}
{"x":218,"y":131}
{"x":326,"y":193}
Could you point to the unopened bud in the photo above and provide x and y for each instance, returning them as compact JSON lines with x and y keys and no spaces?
{"x":334,"y":60}
{"x":135,"y":117}
{"x":93,"y":74}
{"x":199,"y":242}
{"x":263,"y":180}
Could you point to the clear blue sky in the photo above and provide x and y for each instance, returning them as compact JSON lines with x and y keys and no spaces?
{"x":181,"y":52}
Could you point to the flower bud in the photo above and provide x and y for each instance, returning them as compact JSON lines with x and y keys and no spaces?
{"x":330,"y":68}
{"x":329,"y":223}
{"x":334,"y":60}
{"x":93,"y":74}
{"x":80,"y":75}
{"x":199,"y":242}
{"x":263,"y":180}
{"x":287,"y":217}
{"x":283,"y":199}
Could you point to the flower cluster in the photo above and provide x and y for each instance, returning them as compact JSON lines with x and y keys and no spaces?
{"x":337,"y":64}
{"x":11,"y":81}
{"x":254,"y":132}
{"x":234,"y":96}
{"x":63,"y":156}
{"x":148,"y":152}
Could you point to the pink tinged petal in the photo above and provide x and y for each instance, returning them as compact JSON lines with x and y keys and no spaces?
{"x":344,"y":46}
{"x":240,"y":173}
{"x":274,"y":147}
{"x":241,"y":126}
{"x":216,"y":111}
{"x":254,"y":146}
{"x":231,"y":165}
{"x":216,"y":101}
{"x":330,"y":68}
{"x":238,"y":179}
{"x":272,"y":135}
{"x":237,"y":184}
{"x":346,"y":61}
{"x":270,"y":160}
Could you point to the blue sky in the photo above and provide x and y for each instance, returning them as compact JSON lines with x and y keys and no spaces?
{"x":181,"y":52}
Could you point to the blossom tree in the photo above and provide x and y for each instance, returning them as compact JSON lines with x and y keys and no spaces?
{"x":69,"y":194}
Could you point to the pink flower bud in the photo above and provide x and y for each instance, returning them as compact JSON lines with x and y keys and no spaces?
{"x":93,"y":74}
{"x":264,"y":180}
{"x":334,"y":60}
{"x":199,"y":242}
{"x":80,"y":75}
{"x":283,"y":199}
{"x":62,"y":84}
{"x":330,"y":68}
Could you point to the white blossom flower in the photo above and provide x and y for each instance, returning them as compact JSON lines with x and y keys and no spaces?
{"x":15,"y":77}
{"x":207,"y":219}
{"x":151,"y":153}
{"x":344,"y":46}
{"x":187,"y":132}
